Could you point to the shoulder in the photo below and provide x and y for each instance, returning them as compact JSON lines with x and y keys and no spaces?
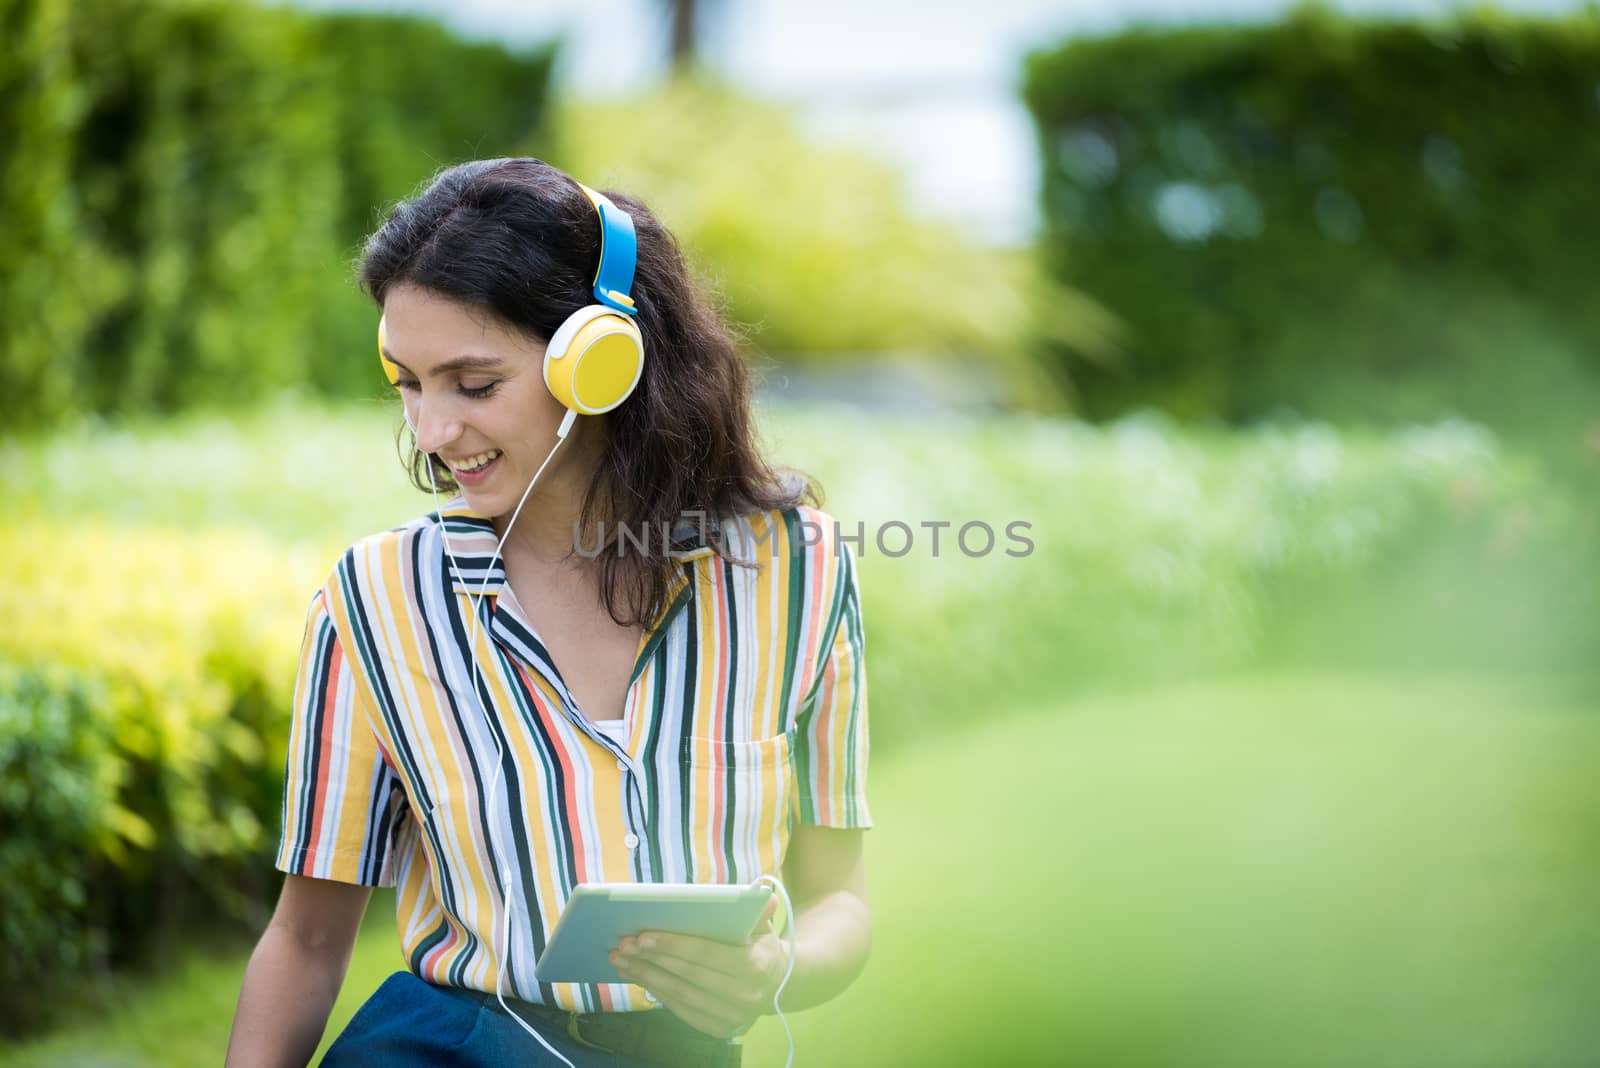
{"x":375,"y":589}
{"x":797,"y":528}
{"x":813,"y":545}
{"x":365,"y":563}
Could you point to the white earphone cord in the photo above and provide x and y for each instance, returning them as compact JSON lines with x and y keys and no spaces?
{"x":788,"y":929}
{"x":499,"y":764}
{"x":771,"y":881}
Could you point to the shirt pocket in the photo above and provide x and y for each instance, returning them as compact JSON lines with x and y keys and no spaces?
{"x":741,"y":798}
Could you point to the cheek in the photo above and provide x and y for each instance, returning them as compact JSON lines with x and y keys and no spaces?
{"x":525,"y":418}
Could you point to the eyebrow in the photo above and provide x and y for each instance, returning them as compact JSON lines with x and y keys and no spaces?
{"x":460,"y":363}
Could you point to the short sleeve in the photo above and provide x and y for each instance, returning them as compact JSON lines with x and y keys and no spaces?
{"x":343,"y":804}
{"x":830,"y":743}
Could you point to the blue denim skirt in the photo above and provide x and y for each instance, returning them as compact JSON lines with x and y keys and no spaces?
{"x":411,"y":1023}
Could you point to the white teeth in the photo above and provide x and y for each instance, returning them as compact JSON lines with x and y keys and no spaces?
{"x":472,"y":463}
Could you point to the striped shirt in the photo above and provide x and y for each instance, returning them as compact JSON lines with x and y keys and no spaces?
{"x":746,"y":714}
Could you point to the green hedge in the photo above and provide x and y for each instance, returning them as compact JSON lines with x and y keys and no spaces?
{"x":57,"y":779}
{"x":1349,"y":219}
{"x":188,"y":180}
{"x":143,"y":722}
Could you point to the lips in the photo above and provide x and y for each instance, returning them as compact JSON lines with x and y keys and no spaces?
{"x":471,"y":476}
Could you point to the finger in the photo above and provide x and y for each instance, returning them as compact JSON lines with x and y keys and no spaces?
{"x":718,"y":956}
{"x":741,"y":989}
{"x":764,"y":924}
{"x":694,"y":1006}
{"x":662,"y":981}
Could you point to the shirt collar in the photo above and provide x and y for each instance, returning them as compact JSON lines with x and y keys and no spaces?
{"x":472,"y":541}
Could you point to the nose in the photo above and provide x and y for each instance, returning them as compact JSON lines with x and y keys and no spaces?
{"x":433,"y":424}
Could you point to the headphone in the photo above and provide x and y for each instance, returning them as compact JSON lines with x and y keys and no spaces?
{"x":596,"y":356}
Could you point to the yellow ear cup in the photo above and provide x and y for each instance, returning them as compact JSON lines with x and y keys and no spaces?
{"x":598,"y":367}
{"x":390,"y":371}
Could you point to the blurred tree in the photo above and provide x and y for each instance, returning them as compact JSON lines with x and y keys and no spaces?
{"x":683,"y":14}
{"x":688,"y":17}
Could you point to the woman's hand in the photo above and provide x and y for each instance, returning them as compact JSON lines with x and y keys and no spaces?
{"x":712,"y":986}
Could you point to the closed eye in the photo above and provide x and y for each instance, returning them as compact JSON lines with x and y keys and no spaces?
{"x":410,"y":385}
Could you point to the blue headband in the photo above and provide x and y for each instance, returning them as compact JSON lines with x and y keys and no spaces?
{"x":619,"y":251}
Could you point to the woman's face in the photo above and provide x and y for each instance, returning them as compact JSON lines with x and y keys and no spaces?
{"x":473,"y":387}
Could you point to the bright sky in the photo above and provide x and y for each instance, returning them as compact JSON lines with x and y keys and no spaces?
{"x":928,"y":84}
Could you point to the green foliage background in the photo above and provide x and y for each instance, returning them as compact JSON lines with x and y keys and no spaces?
{"x":1371,"y":220}
{"x":1366,"y":221}
{"x":192,"y":180}
{"x":188,"y":180}
{"x":813,"y":248}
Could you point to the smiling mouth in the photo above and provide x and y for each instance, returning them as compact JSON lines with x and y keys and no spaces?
{"x":474,"y":464}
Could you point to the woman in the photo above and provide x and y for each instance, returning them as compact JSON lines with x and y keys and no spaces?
{"x":627,"y":651}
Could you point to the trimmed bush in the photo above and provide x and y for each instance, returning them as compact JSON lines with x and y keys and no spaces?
{"x":145,"y":677}
{"x":188,"y":179}
{"x":57,"y":782}
{"x":1370,"y":220}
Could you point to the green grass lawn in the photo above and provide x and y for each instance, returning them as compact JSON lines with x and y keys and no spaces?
{"x":1268,"y":870}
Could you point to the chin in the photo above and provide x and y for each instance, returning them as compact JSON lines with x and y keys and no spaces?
{"x":481,"y":500}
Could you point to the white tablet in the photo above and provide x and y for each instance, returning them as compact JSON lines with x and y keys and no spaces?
{"x":599,"y":915}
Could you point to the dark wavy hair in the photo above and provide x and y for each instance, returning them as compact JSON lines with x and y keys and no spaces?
{"x":518,"y":240}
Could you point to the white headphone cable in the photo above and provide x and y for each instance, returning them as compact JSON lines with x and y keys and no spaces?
{"x":499,"y":766}
{"x":776,"y":885}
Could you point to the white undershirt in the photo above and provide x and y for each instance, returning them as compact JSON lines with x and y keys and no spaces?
{"x":615,"y":729}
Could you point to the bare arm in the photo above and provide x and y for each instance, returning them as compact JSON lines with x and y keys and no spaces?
{"x":826,"y":877}
{"x":295,"y":973}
